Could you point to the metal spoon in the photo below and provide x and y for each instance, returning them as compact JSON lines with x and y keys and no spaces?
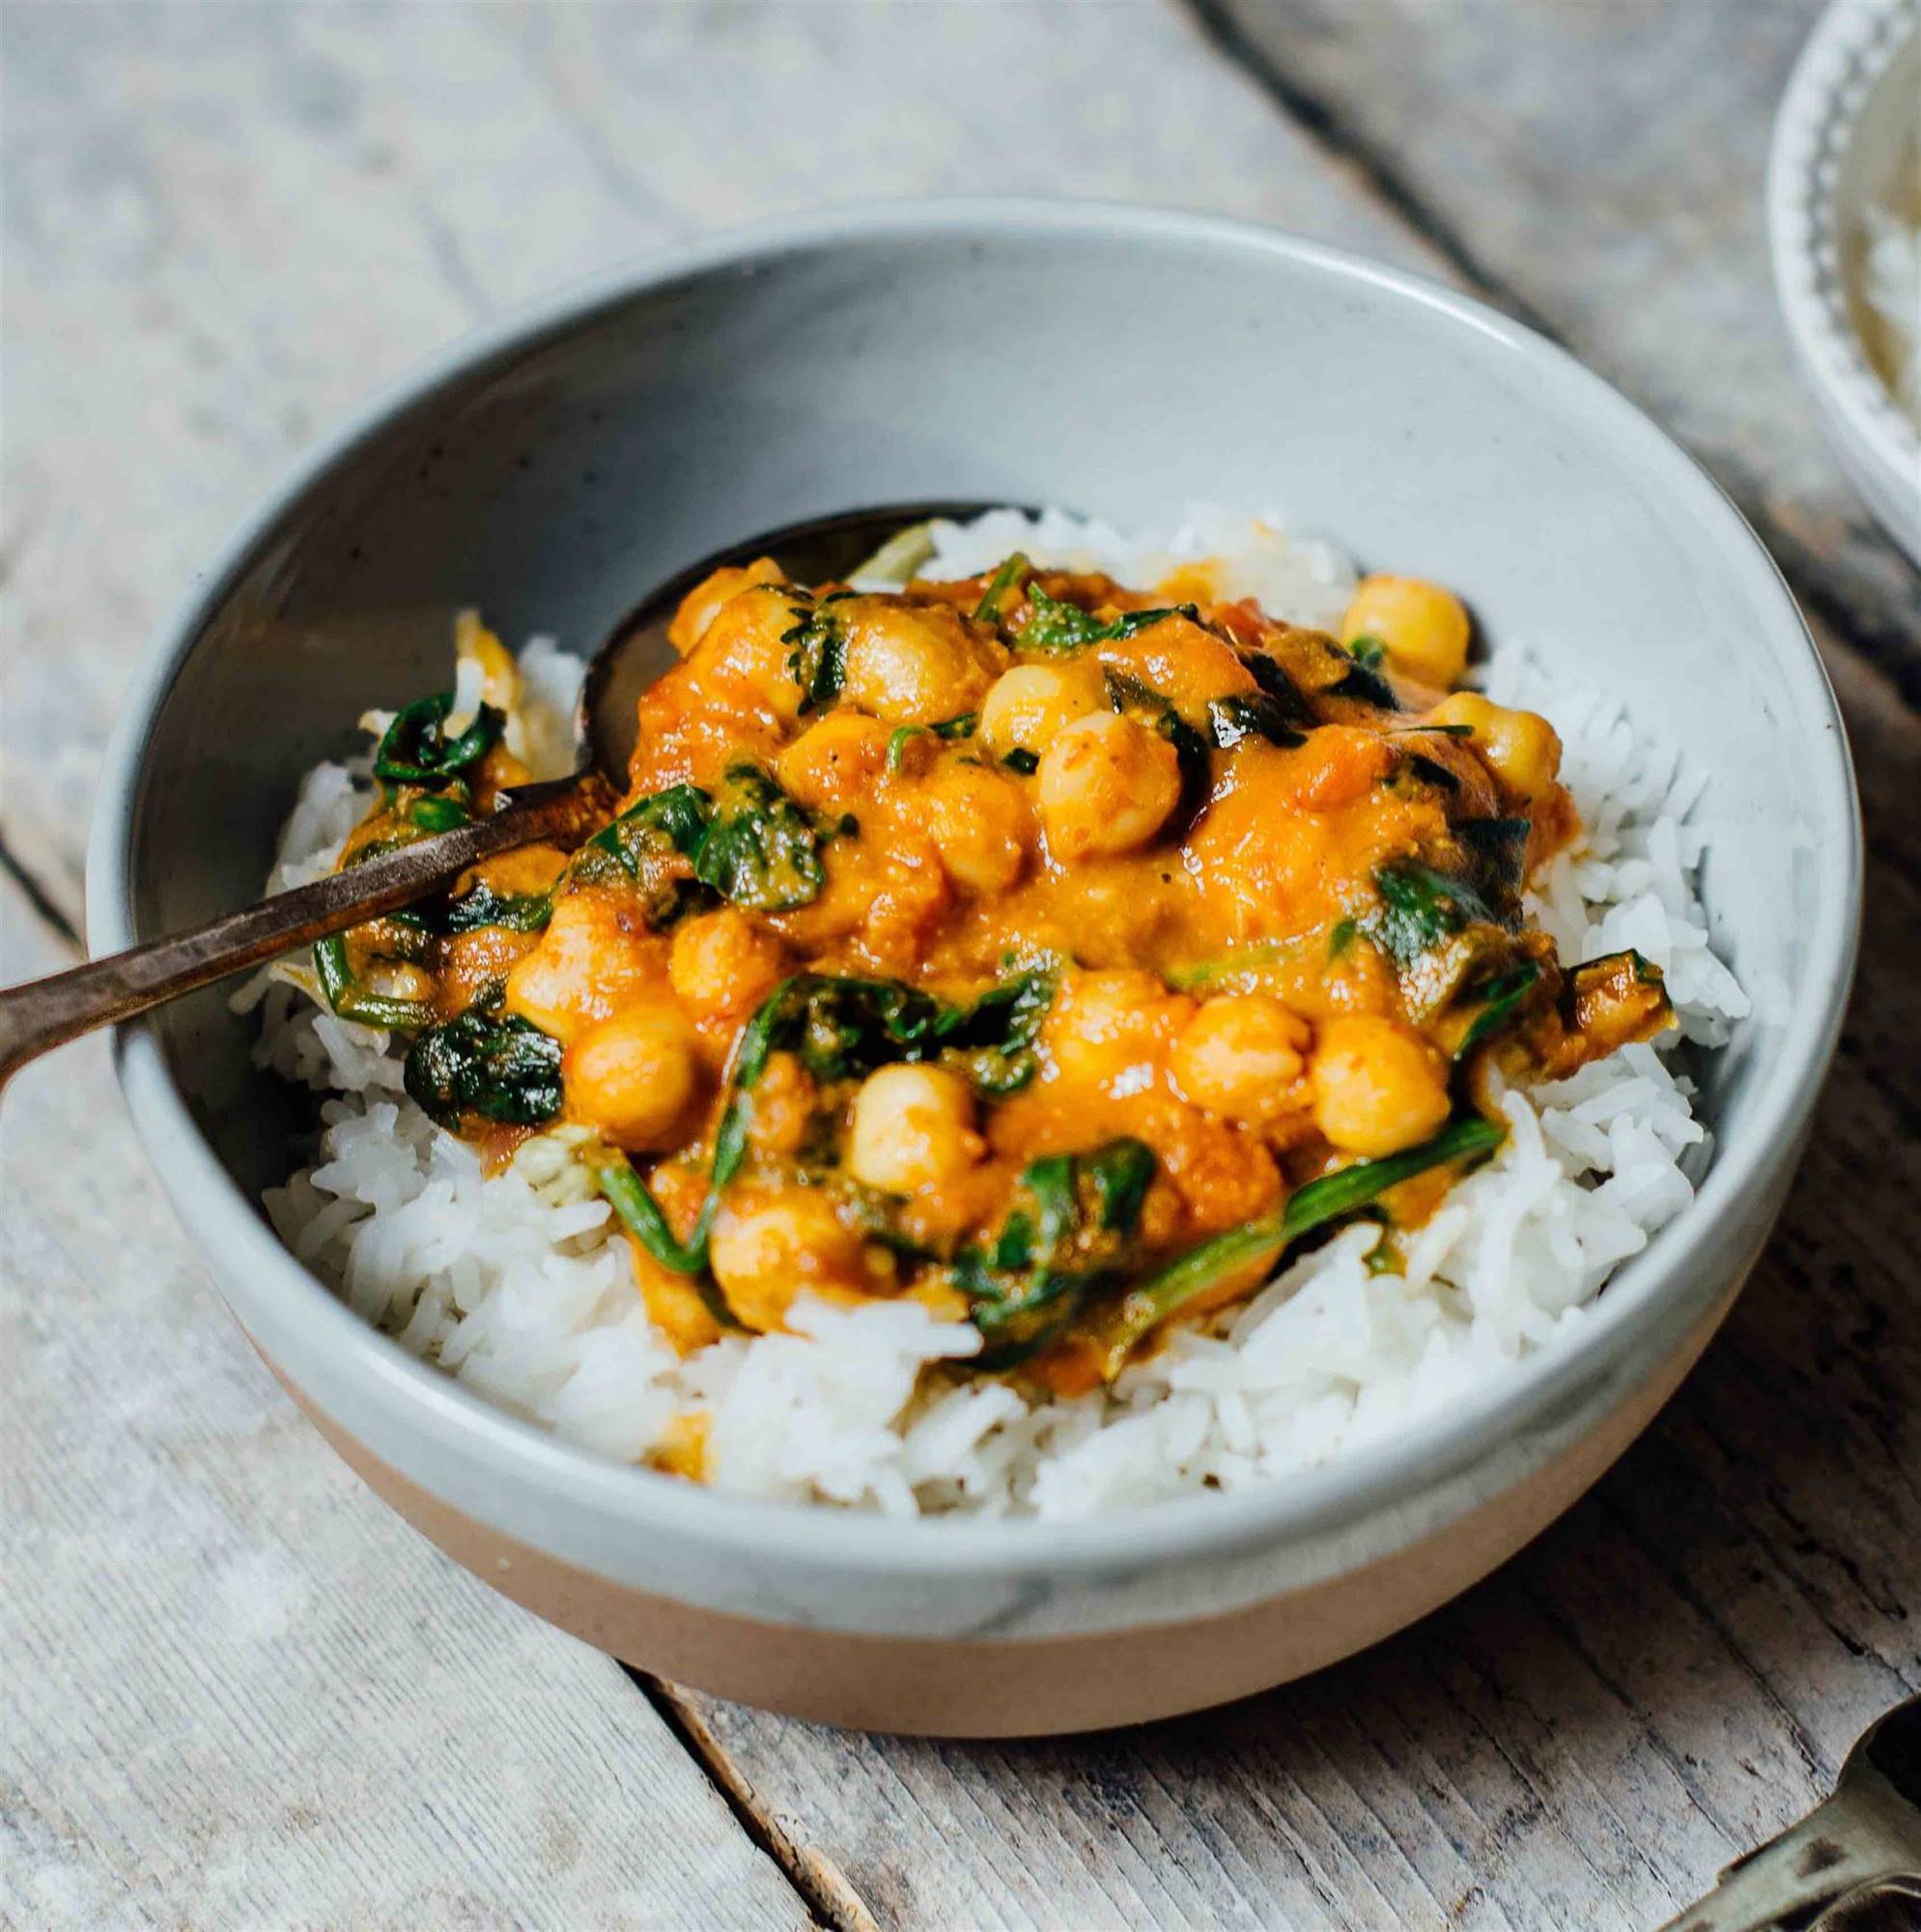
{"x":1854,"y":1860}
{"x":46,"y":1012}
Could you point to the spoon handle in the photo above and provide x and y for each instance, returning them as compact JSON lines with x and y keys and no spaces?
{"x":1861,"y":1839}
{"x":46,"y":1012}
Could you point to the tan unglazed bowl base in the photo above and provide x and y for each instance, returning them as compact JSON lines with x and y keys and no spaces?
{"x":1033,"y":1686}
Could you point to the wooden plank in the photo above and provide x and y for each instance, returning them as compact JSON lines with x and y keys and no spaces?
{"x":237,"y":1691}
{"x":1597,"y":169}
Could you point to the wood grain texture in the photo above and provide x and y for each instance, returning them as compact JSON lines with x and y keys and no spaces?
{"x":221,"y":225}
{"x":1596,"y":168}
{"x":237,"y":1693}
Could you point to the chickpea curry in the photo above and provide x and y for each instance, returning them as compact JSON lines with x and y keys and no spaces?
{"x":1051,"y":953}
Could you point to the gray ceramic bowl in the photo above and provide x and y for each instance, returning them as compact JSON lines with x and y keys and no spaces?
{"x":1120,"y":363}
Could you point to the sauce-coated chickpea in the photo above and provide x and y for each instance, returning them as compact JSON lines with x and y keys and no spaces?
{"x":703,"y":602}
{"x":979,"y":824}
{"x":1424,"y":626}
{"x":595,"y":956}
{"x":1106,"y":785}
{"x":633,"y":1076}
{"x":767,"y":1249}
{"x":722,"y":965}
{"x":912,"y":1126}
{"x":1521,"y":748}
{"x":1031,"y":705}
{"x":1112,"y":1026}
{"x":834,"y":760}
{"x":746,"y":645}
{"x":912,"y":665}
{"x":1241,"y":1056}
{"x":1378,"y":1087}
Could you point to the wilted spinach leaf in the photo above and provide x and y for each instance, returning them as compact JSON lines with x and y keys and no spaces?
{"x":1232,"y":720}
{"x":1057,"y":625}
{"x":759,"y":849}
{"x":992,"y":1041}
{"x":1062,"y":1240}
{"x":518,"y":912}
{"x":505,"y":1069}
{"x":816,"y":655}
{"x":415,"y":750}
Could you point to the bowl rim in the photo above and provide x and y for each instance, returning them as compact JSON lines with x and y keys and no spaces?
{"x":413,"y":1396}
{"x":1835,"y":75}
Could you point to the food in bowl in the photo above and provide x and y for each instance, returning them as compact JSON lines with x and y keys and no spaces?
{"x":998,"y":966}
{"x":1890,"y":285}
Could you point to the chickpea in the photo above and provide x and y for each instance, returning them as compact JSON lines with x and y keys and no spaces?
{"x":595,"y":956}
{"x":912,"y":1126}
{"x":834,"y":761}
{"x":1240,"y":1056}
{"x":1106,"y":785}
{"x":1188,"y":665}
{"x":769,"y":1248}
{"x":979,"y":824}
{"x":1029,"y":706}
{"x":1378,"y":1087}
{"x":1519,"y":747}
{"x":635,"y":1075}
{"x":746,"y":645}
{"x":1424,"y":627}
{"x":674,"y":1303}
{"x":722,"y":965}
{"x":704,"y":602}
{"x":913,"y":663}
{"x":1111,"y":1026}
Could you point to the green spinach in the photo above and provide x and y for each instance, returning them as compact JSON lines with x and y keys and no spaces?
{"x":1255,"y":1247}
{"x":1057,"y":625}
{"x":816,"y":655}
{"x":759,"y":849}
{"x":415,"y":748}
{"x":503,"y":1070}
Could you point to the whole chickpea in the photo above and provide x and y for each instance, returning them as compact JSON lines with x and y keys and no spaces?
{"x":1106,"y":785}
{"x":1521,"y":748}
{"x":1031,"y":704}
{"x":1378,"y":1087}
{"x":1240,"y":1056}
{"x":769,"y":1248}
{"x":595,"y":956}
{"x":633,"y":1076}
{"x":722,"y":965}
{"x":744,"y":645}
{"x":1424,"y":626}
{"x":912,"y":1126}
{"x":702,"y":604}
{"x":1106,"y":1026}
{"x":834,"y":761}
{"x":979,"y":823}
{"x":913,"y":663}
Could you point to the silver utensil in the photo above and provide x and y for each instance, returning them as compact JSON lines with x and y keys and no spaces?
{"x":1854,"y":1862}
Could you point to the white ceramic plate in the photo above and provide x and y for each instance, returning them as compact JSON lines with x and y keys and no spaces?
{"x":1851,"y":111}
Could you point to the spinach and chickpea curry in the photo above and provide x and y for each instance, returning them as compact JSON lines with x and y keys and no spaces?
{"x":1048,"y":952}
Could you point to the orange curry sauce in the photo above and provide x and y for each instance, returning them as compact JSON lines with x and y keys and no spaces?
{"x":1087,"y":931}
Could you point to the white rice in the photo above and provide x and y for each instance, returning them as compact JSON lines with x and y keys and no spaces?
{"x":512,"y":1284}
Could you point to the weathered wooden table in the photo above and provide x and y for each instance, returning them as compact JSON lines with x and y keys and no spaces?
{"x":236,"y":1690}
